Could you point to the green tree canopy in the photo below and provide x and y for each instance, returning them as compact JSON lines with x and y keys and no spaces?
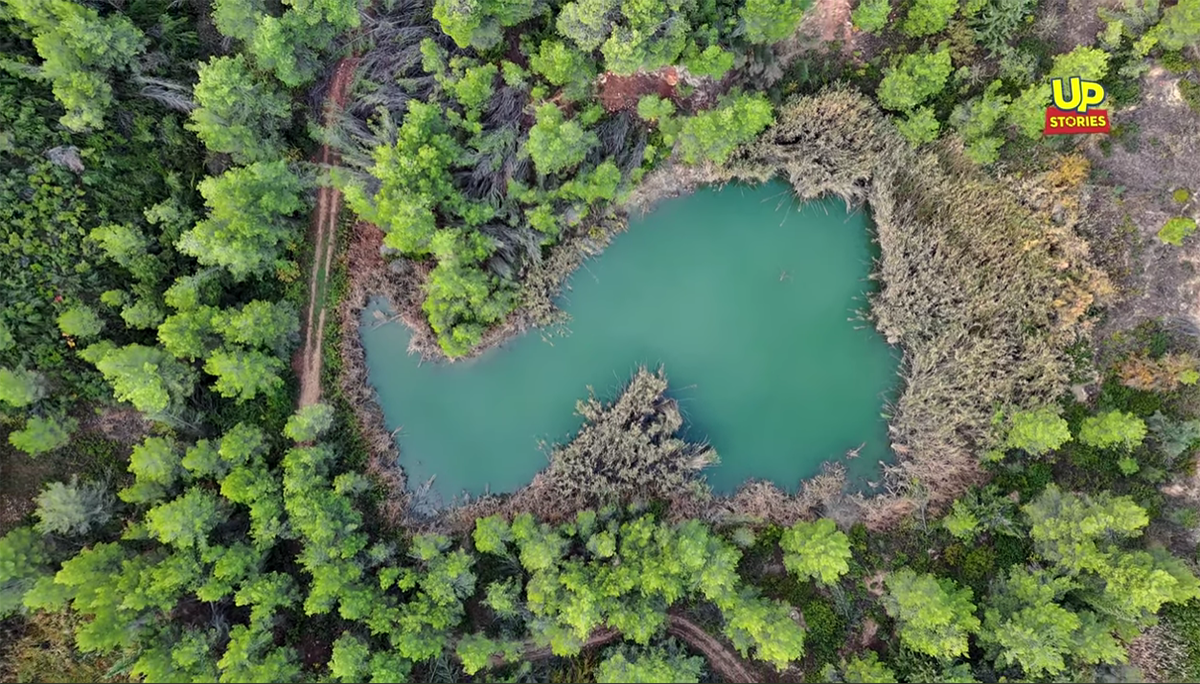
{"x":238,"y":112}
{"x":1037,"y":432}
{"x":714,"y":135}
{"x":918,"y":77}
{"x":244,"y":375}
{"x":80,"y":321}
{"x":21,"y":387}
{"x":768,"y":21}
{"x":42,"y":434}
{"x":248,"y":210}
{"x":1112,"y":428}
{"x":934,"y":616}
{"x":555,"y":144}
{"x":816,"y":550}
{"x":79,"y":49}
{"x":147,"y":377}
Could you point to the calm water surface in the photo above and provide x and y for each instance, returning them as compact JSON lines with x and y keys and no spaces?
{"x":746,"y":298}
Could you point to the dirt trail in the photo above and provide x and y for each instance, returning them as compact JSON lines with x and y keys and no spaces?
{"x":325,"y":216}
{"x":722,"y":661}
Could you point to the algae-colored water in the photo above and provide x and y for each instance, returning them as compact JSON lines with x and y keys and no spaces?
{"x":747,"y":298}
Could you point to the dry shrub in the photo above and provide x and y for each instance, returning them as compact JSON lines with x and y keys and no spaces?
{"x":628,"y":449}
{"x":1158,"y":375}
{"x":829,"y":144}
{"x":1070,"y":171}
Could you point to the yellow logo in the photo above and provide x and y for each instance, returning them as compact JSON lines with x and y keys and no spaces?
{"x":1076,"y":95}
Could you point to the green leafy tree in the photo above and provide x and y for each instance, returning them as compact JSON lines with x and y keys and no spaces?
{"x":462,"y":299}
{"x":309,"y":423}
{"x":21,"y":388}
{"x":244,"y":375}
{"x":649,"y":665}
{"x":961,"y":522}
{"x":480,"y":23}
{"x":144,"y":314}
{"x":351,"y":659}
{"x":415,"y":181}
{"x":655,"y":108}
{"x":934,"y":616}
{"x":476,"y":87}
{"x":1037,"y":432}
{"x":251,"y":656}
{"x":492,"y":535}
{"x":247,"y":220}
{"x":475,"y":651}
{"x":1180,"y":26}
{"x":24,"y":558}
{"x":714,"y":135}
{"x":147,"y":377}
{"x":1069,"y":529}
{"x":503,"y":598}
{"x":237,"y":18}
{"x":976,"y":121}
{"x":556,"y":144}
{"x":587,"y":22}
{"x":712,"y":61}
{"x":764,"y":21}
{"x":867,"y":670}
{"x":190,"y":334}
{"x":765,"y":625}
{"x":237,"y":112}
{"x":260,"y":324}
{"x":927,"y":17}
{"x":871,"y":15}
{"x":79,"y":49}
{"x":917,"y":78}
{"x":186,"y":521}
{"x":42,"y":434}
{"x":816,"y":550}
{"x":1112,"y":428}
{"x":562,"y":65}
{"x":123,"y":243}
{"x":1025,"y":625}
{"x":285,"y":46}
{"x":920,"y":126}
{"x":80,"y":321}
{"x":72,"y":509}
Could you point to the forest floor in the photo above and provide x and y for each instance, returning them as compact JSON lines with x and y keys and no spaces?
{"x":325,"y":218}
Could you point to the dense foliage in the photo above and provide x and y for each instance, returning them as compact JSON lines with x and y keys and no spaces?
{"x":152,"y":207}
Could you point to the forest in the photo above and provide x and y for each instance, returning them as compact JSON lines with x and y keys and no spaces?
{"x":195,"y":484}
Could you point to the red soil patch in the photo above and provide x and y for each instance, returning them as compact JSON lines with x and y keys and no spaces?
{"x":623,"y":92}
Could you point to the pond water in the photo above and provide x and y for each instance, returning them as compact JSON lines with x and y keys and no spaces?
{"x":747,"y":298}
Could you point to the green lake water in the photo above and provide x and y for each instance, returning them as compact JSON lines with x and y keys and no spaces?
{"x":747,"y":298}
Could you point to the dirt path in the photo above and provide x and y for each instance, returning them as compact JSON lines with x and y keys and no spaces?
{"x":325,"y":216}
{"x":722,"y":661}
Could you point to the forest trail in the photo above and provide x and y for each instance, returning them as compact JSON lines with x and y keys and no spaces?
{"x":721,"y":660}
{"x":325,"y":216}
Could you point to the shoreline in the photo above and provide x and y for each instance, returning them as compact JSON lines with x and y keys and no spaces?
{"x":930,"y":246}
